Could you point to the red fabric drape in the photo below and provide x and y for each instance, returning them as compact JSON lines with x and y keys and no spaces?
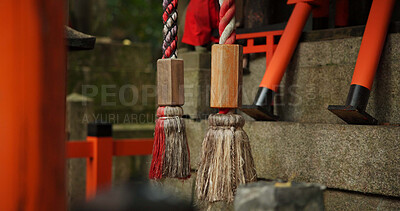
{"x":201,"y":19}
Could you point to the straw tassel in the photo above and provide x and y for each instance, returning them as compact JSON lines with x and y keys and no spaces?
{"x":226,"y":161}
{"x":171,"y":157}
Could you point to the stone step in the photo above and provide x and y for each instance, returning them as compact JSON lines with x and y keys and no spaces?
{"x":320,"y":74}
{"x":348,"y":157}
{"x":333,"y":199}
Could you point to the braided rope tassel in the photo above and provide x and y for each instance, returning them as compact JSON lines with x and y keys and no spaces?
{"x":171,"y":155}
{"x":170,"y":30}
{"x":227,"y":22}
{"x":226,"y":160}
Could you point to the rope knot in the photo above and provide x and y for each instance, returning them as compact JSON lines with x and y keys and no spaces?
{"x":226,"y":121}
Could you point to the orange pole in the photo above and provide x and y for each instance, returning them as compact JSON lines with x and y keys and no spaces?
{"x":79,"y":149}
{"x":270,"y":49}
{"x":99,"y":167}
{"x":32,"y":108}
{"x":372,"y":43}
{"x":286,"y":46}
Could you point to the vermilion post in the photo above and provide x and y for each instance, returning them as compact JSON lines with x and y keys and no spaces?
{"x":32,"y":108}
{"x":283,"y":53}
{"x":353,"y":112}
{"x":372,"y":42}
{"x":262,"y":107}
{"x":99,"y":166}
{"x":286,"y":46}
{"x":270,"y":49}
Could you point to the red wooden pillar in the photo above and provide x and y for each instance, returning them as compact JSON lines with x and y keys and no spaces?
{"x":32,"y":105}
{"x":342,"y":13}
{"x":373,"y":41}
{"x":99,"y":166}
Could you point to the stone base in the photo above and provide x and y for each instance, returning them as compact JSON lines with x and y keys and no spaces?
{"x":351,"y":157}
{"x":279,"y":196}
{"x":333,"y":199}
{"x":197,"y":84}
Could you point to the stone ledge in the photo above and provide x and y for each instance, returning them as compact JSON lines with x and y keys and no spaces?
{"x":333,"y":199}
{"x":197,"y":60}
{"x":349,"y":157}
{"x":339,"y":200}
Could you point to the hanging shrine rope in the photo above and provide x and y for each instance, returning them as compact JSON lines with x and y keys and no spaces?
{"x":226,"y":160}
{"x":227,"y":22}
{"x":170,"y":30}
{"x":171,"y":156}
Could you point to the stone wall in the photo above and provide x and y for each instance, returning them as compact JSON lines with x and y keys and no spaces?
{"x":121,"y":80}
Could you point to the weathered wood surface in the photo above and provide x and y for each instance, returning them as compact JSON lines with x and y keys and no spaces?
{"x":170,"y":82}
{"x":226,"y":76}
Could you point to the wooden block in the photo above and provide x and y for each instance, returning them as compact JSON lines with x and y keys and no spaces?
{"x":226,"y":76}
{"x":170,"y":88}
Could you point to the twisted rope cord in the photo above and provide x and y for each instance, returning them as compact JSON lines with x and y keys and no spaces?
{"x":170,"y":30}
{"x":227,"y":22}
{"x":227,"y":36}
{"x":226,"y":27}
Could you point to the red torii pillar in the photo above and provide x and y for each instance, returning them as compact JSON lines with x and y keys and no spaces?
{"x":32,"y":105}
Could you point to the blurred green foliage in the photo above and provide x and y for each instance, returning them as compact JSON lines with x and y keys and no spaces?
{"x":140,"y":20}
{"x":136,"y":20}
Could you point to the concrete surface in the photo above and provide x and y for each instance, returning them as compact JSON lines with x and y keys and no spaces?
{"x":333,"y":199}
{"x":350,"y":157}
{"x":197,"y":84}
{"x":76,"y":128}
{"x":121,"y":80}
{"x":272,"y":196}
{"x":341,"y":200}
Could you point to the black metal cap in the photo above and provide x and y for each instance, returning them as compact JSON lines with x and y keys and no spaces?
{"x":262,"y":108}
{"x":100,"y":129}
{"x":264,"y":97}
{"x":358,"y":97}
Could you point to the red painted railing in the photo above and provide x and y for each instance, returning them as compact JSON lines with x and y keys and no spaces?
{"x":99,"y":152}
{"x":269,"y":46}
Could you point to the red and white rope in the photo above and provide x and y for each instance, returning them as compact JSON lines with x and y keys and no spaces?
{"x":170,"y":30}
{"x":226,"y":28}
{"x":227,"y":22}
